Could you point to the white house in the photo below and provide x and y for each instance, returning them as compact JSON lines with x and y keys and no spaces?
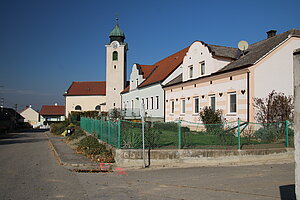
{"x":231,"y":86}
{"x":31,"y":116}
{"x":146,"y":87}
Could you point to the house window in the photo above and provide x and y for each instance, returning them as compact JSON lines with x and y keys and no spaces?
{"x":196,"y":105}
{"x":213,"y":102}
{"x":97,"y":107}
{"x":157,"y":102}
{"x":78,"y":107}
{"x":152,"y":103}
{"x":137,"y":82}
{"x":147,"y":103}
{"x":202,"y":68}
{"x":132,"y":104}
{"x":182,"y":105}
{"x":232,"y":102}
{"x":143,"y":101}
{"x":191,"y":71}
{"x":115,"y":55}
{"x":172,"y":106}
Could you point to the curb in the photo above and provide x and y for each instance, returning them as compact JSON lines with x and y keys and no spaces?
{"x":77,"y":167}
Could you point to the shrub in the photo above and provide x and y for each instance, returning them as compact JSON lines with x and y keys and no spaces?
{"x":212,"y":120}
{"x":267,"y":134}
{"x":58,"y":128}
{"x":131,"y":137}
{"x":77,"y":134}
{"x":92,"y":148}
{"x":275,"y":107}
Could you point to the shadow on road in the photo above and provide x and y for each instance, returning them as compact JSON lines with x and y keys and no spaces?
{"x":287,"y":192}
{"x":24,"y":137}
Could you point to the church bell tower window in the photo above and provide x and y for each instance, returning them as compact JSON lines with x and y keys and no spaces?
{"x":115,"y":55}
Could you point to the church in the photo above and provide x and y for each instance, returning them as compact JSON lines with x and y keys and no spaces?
{"x":102,"y":95}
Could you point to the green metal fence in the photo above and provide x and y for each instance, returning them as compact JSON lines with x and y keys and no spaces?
{"x":182,"y":134}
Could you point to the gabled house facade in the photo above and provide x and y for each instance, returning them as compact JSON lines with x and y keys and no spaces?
{"x":265,"y":66}
{"x":86,"y":96}
{"x":52,"y":113}
{"x":146,"y":87}
{"x":31,"y":116}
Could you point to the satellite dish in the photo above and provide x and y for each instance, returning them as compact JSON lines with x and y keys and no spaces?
{"x":243,"y":45}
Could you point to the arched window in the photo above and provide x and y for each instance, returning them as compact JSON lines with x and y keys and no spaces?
{"x":78,"y":107}
{"x":115,"y":55}
{"x":97,"y":107}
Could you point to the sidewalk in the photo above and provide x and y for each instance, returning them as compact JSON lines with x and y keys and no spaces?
{"x":67,"y":157}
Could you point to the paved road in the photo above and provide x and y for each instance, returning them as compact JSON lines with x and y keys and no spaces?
{"x":261,"y":182}
{"x":28,"y":170}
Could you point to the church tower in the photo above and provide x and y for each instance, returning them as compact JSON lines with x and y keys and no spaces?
{"x":116,"y":52}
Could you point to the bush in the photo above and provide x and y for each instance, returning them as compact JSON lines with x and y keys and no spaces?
{"x":131,"y":135}
{"x":212,"y":120}
{"x":92,"y":148}
{"x":267,"y":134}
{"x":77,"y":134}
{"x":58,"y":128}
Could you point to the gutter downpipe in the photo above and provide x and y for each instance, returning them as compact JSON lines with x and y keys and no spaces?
{"x":248,"y":96}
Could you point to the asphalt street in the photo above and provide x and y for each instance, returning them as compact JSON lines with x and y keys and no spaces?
{"x":29,"y":170}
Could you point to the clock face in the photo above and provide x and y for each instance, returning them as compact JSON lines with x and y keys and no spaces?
{"x":115,"y":45}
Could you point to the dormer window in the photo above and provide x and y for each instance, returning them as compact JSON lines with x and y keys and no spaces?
{"x":191,"y":71}
{"x":202,"y":68}
{"x":115,"y":56}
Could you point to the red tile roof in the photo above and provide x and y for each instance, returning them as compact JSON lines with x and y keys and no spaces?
{"x":162,"y":69}
{"x":87,"y":88}
{"x":52,"y":110}
{"x":146,"y":70}
{"x":165,"y":67}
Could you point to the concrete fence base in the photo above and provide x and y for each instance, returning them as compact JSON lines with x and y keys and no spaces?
{"x":203,"y":157}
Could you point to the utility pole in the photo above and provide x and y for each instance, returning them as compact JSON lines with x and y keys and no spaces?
{"x":2,"y":104}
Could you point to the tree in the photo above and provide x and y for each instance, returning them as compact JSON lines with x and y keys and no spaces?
{"x":276,"y":107}
{"x":115,"y":114}
{"x":152,"y":136}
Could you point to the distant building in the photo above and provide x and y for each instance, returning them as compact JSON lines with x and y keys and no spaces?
{"x":9,"y":119}
{"x":31,"y":116}
{"x":51,"y":114}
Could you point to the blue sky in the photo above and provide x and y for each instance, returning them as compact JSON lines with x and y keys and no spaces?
{"x":47,"y":44}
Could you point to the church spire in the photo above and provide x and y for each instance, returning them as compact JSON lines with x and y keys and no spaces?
{"x":117,"y":34}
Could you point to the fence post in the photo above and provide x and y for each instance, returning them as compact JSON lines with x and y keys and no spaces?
{"x":239,"y":134}
{"x":179,"y":134}
{"x":286,"y":133}
{"x":119,"y":134}
{"x":108,"y":136}
{"x":101,"y":129}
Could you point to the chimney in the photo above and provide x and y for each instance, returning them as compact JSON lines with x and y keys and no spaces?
{"x":271,"y":33}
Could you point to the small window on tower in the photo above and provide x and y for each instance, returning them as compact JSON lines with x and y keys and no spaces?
{"x":115,"y":66}
{"x":115,"y":55}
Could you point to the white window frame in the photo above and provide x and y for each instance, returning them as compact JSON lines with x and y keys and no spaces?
{"x":210,"y":101}
{"x":202,"y":72}
{"x":191,"y":71}
{"x":183,"y":106}
{"x":194,"y":105}
{"x":229,"y":102}
{"x":172,"y":106}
